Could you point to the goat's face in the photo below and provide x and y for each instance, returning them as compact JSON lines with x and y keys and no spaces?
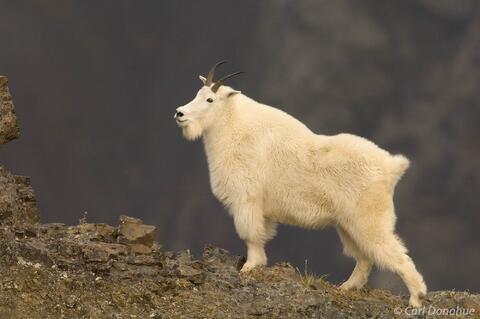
{"x":203,"y":111}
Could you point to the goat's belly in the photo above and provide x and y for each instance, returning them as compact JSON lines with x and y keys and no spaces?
{"x":302,"y":214}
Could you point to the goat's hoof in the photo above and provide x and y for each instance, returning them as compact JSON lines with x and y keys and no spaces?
{"x":415,"y":301}
{"x":346,"y":286}
{"x":248,"y":267}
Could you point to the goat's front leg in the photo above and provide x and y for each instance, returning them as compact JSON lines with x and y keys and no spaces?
{"x":255,"y":256}
{"x":255,"y":230}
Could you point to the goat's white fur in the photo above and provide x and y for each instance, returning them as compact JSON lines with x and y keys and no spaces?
{"x":267,"y":167}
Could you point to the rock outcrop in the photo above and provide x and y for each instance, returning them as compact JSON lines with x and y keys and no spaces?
{"x":85,"y":271}
{"x":17,"y":200}
{"x":8,"y":121}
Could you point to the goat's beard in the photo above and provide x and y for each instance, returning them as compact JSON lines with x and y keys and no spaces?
{"x":192,"y":131}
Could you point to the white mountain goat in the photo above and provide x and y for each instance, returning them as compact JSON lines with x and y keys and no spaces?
{"x":267,"y":167}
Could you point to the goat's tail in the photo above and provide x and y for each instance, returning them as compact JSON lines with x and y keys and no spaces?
{"x":398,"y":166}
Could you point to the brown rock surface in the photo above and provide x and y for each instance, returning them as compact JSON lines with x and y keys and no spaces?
{"x":17,"y":199}
{"x":140,"y":237}
{"x":8,"y":121}
{"x":60,"y":271}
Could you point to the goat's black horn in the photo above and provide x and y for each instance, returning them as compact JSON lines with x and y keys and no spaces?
{"x":211,"y":73}
{"x":222,"y":80}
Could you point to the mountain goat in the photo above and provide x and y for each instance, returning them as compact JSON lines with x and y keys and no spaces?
{"x":267,"y":167}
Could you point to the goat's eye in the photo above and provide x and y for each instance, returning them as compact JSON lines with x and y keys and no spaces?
{"x":209,"y":100}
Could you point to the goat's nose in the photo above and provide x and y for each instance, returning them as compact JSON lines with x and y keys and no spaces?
{"x":178,"y":114}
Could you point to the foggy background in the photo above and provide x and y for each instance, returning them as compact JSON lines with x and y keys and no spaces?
{"x":96,"y":83}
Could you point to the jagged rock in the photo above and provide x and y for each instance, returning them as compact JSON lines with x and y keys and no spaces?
{"x":191,"y":274}
{"x":216,"y":255}
{"x":53,"y":229}
{"x":36,"y":251}
{"x":102,"y":252}
{"x":8,"y":194}
{"x":186,"y":267}
{"x":138,"y":236}
{"x":140,"y":249}
{"x":17,"y":200}
{"x":99,"y":231}
{"x":26,"y":197}
{"x":8,"y":121}
{"x":145,"y":260}
{"x":211,"y":252}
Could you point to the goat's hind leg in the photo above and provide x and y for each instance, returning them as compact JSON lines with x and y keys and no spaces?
{"x":359,"y":276}
{"x":393,"y":256}
{"x":387,"y":251}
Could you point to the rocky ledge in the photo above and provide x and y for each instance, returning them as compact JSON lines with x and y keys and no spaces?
{"x":100,"y":271}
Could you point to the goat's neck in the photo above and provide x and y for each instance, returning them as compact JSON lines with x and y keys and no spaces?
{"x":220,"y":136}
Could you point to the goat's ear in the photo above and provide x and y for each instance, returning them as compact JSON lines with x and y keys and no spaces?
{"x":233,"y":92}
{"x":203,"y":79}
